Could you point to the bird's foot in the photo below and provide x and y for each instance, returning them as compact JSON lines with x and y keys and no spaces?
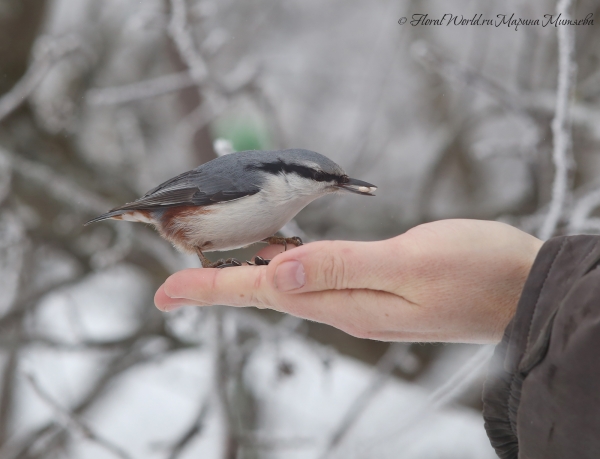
{"x":284,"y":241}
{"x":259,"y":261}
{"x":230,"y":262}
{"x":206,"y":263}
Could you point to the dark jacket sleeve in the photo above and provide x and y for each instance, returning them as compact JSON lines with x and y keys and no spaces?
{"x":542,"y":395}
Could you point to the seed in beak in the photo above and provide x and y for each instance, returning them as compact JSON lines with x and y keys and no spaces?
{"x":366,"y":189}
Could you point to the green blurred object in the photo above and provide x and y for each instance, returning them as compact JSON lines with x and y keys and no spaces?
{"x":244,"y":133}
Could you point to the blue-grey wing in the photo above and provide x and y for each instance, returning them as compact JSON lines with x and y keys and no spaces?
{"x":192,"y":188}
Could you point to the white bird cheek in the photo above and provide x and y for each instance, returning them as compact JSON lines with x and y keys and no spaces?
{"x":290,"y":187}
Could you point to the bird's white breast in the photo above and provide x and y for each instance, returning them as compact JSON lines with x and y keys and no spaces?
{"x":238,"y":223}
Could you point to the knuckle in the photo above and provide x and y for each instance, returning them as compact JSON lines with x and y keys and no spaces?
{"x":257,"y":296}
{"x":333,"y":271}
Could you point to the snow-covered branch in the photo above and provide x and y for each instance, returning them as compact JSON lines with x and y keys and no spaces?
{"x":561,"y":124}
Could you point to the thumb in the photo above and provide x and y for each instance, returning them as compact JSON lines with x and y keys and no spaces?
{"x":334,"y":265}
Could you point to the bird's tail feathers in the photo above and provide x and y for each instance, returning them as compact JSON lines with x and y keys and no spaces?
{"x":107,"y":215}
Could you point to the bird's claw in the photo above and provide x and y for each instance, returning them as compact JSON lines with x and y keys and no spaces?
{"x":259,"y":261}
{"x":229,"y":263}
{"x":295,"y":240}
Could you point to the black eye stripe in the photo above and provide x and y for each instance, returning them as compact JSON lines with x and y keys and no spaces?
{"x":303,"y":171}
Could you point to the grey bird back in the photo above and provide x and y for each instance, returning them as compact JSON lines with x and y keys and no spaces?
{"x":224,"y":178}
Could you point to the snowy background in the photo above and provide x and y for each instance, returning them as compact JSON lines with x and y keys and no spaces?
{"x":100,"y":101}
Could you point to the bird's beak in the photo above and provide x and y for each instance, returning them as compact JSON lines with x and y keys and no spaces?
{"x":358,"y":186}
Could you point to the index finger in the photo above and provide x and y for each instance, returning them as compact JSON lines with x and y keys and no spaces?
{"x":319,"y":266}
{"x":239,"y":286}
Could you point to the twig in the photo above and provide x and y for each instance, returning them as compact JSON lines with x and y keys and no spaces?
{"x":385,"y":367}
{"x":256,"y":440}
{"x":185,"y":43}
{"x":231,"y":446}
{"x":131,"y":356}
{"x":433,"y":59}
{"x":561,"y":125}
{"x":63,"y":189}
{"x":141,"y":90}
{"x":134,"y":147}
{"x":446,"y":393}
{"x":460,"y":380}
{"x":59,"y":187}
{"x":8,"y":383}
{"x":71,"y":421}
{"x":201,"y":116}
{"x":194,"y":430}
{"x":52,"y":53}
{"x":580,"y":217}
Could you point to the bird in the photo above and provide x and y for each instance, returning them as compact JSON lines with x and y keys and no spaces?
{"x":236,"y":200}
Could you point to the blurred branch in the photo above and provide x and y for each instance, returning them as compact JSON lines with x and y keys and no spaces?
{"x":395,"y":356}
{"x":63,"y":189}
{"x":141,"y":90}
{"x":458,"y":382}
{"x":581,"y":114}
{"x":431,"y":58}
{"x":561,"y":125}
{"x":580,"y":217}
{"x":470,"y":371}
{"x":60,"y":187}
{"x":72,"y":422}
{"x":192,"y":432}
{"x":49,"y":434}
{"x":52,"y":51}
{"x":200,"y":107}
{"x":8,"y":384}
{"x":256,"y":440}
{"x":230,"y":446}
{"x":434,"y":60}
{"x":179,"y":32}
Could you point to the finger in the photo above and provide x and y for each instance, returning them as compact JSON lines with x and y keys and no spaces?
{"x":319,"y":266}
{"x":166,"y":303}
{"x":337,"y":265}
{"x":363,"y":313}
{"x":239,"y":286}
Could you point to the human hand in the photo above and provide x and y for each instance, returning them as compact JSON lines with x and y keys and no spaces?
{"x":448,"y":281}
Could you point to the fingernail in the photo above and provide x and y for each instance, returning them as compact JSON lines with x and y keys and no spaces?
{"x":289,"y":275}
{"x":173,"y":307}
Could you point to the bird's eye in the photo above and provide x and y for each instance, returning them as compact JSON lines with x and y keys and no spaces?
{"x":344,"y":179}
{"x":319,"y":176}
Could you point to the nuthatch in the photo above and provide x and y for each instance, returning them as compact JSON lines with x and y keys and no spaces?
{"x":236,"y":200}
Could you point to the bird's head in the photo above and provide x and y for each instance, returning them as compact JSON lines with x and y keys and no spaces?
{"x":309,"y":173}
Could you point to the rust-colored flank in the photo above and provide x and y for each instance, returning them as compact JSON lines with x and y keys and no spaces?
{"x":175,"y":224}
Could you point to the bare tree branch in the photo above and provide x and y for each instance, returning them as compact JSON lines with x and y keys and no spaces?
{"x":184,"y":41}
{"x":395,"y":356}
{"x":51,"y":53}
{"x":140,"y":90}
{"x":77,"y":197}
{"x":192,"y":432}
{"x":561,"y":124}
{"x":72,"y":422}
{"x":580,"y":219}
{"x":230,"y":444}
{"x":446,"y":393}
